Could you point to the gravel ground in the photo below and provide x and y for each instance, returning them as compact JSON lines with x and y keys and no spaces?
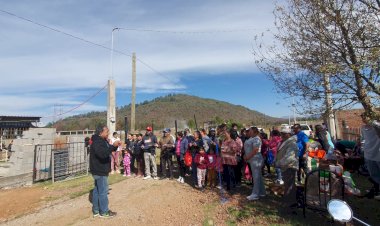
{"x":137,"y":202}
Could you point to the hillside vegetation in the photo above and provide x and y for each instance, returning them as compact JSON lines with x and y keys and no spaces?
{"x":162,"y":111}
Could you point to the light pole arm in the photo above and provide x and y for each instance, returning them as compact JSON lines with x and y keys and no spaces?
{"x":115,"y":29}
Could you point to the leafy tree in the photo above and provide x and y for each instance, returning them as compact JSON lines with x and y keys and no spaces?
{"x":191,"y":124}
{"x":325,"y":47}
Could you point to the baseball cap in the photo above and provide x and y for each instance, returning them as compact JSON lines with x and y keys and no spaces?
{"x":148,"y":128}
{"x":286,"y":130}
{"x":166,"y":130}
{"x":248,"y":128}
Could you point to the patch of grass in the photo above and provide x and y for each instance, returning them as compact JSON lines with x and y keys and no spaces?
{"x":262,"y":214}
{"x":77,"y":187}
{"x":209,"y":210}
{"x":80,"y":193}
{"x":50,"y":198}
{"x":231,"y":222}
{"x":237,"y":214}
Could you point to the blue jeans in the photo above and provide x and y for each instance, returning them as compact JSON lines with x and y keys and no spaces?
{"x":194,"y":170}
{"x":100,"y":195}
{"x":257,"y":163}
{"x":278,"y":173}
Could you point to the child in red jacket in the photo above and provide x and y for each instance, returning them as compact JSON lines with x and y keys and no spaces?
{"x":201,"y":160}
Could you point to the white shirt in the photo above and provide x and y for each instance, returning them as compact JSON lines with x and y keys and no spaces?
{"x":113,"y":140}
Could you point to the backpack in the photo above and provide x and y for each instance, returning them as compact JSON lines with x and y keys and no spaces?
{"x":188,"y":158}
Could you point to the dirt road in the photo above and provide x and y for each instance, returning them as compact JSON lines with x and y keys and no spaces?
{"x":137,"y":202}
{"x":155,"y":202}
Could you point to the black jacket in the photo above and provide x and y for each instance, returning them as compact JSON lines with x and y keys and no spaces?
{"x":137,"y":150}
{"x":149,"y":140}
{"x":100,"y":151}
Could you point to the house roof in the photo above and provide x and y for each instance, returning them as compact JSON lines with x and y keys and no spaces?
{"x":19,"y":118}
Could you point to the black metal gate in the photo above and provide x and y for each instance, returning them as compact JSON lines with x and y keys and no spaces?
{"x":59,"y":161}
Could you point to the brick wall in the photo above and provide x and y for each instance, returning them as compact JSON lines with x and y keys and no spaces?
{"x":349,"y":123}
{"x":351,"y":118}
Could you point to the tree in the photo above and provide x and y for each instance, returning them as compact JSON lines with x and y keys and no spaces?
{"x":325,"y":47}
{"x":191,"y":124}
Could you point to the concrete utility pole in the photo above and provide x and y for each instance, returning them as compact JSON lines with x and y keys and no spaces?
{"x":111,"y":110}
{"x":133,"y":106}
{"x":329,"y":105}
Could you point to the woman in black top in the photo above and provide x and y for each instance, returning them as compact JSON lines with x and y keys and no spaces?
{"x":194,"y":147}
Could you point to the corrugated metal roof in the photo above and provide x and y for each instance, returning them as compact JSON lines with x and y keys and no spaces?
{"x":19,"y":118}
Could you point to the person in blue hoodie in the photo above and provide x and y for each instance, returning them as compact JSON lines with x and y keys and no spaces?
{"x":303,"y":145}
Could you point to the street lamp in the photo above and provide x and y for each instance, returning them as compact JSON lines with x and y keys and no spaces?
{"x":115,"y":29}
{"x":111,"y":108}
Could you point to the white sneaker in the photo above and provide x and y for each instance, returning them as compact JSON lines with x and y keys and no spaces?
{"x":280,"y":182}
{"x":182,"y":180}
{"x":147,"y":177}
{"x":179,"y":179}
{"x":253,"y":197}
{"x":155,"y":178}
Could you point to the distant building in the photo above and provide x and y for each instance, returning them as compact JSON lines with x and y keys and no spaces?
{"x":12,"y":127}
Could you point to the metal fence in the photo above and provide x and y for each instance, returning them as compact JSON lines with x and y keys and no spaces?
{"x":3,"y":151}
{"x":58,"y":162}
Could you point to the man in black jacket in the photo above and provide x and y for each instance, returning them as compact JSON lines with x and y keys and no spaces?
{"x":100,"y":167}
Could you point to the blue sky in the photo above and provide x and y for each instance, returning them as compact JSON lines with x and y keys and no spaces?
{"x":40,"y":68}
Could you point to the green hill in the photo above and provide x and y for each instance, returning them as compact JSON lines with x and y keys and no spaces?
{"x":164,"y":110}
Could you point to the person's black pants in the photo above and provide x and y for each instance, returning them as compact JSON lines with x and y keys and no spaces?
{"x":167,"y":162}
{"x":194,"y":169}
{"x":181,"y":167}
{"x":237,"y":169}
{"x":133,"y":159}
{"x":229,"y":176}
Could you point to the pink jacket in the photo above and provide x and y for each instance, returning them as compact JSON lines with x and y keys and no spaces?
{"x":274,"y":143}
{"x":127,"y":159}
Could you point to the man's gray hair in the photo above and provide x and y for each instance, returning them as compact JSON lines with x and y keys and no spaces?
{"x":99,"y":129}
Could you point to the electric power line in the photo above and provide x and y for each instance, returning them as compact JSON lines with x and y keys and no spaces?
{"x":79,"y":105}
{"x":85,"y":40}
{"x":130,"y":29}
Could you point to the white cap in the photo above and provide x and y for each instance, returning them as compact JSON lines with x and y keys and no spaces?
{"x":286,"y":130}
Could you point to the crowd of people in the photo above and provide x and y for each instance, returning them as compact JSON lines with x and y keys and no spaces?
{"x":223,"y":157}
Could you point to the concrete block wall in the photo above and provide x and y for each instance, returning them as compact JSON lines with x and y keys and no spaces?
{"x":23,"y":156}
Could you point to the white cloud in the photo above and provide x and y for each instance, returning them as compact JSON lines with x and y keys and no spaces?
{"x":35,"y":59}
